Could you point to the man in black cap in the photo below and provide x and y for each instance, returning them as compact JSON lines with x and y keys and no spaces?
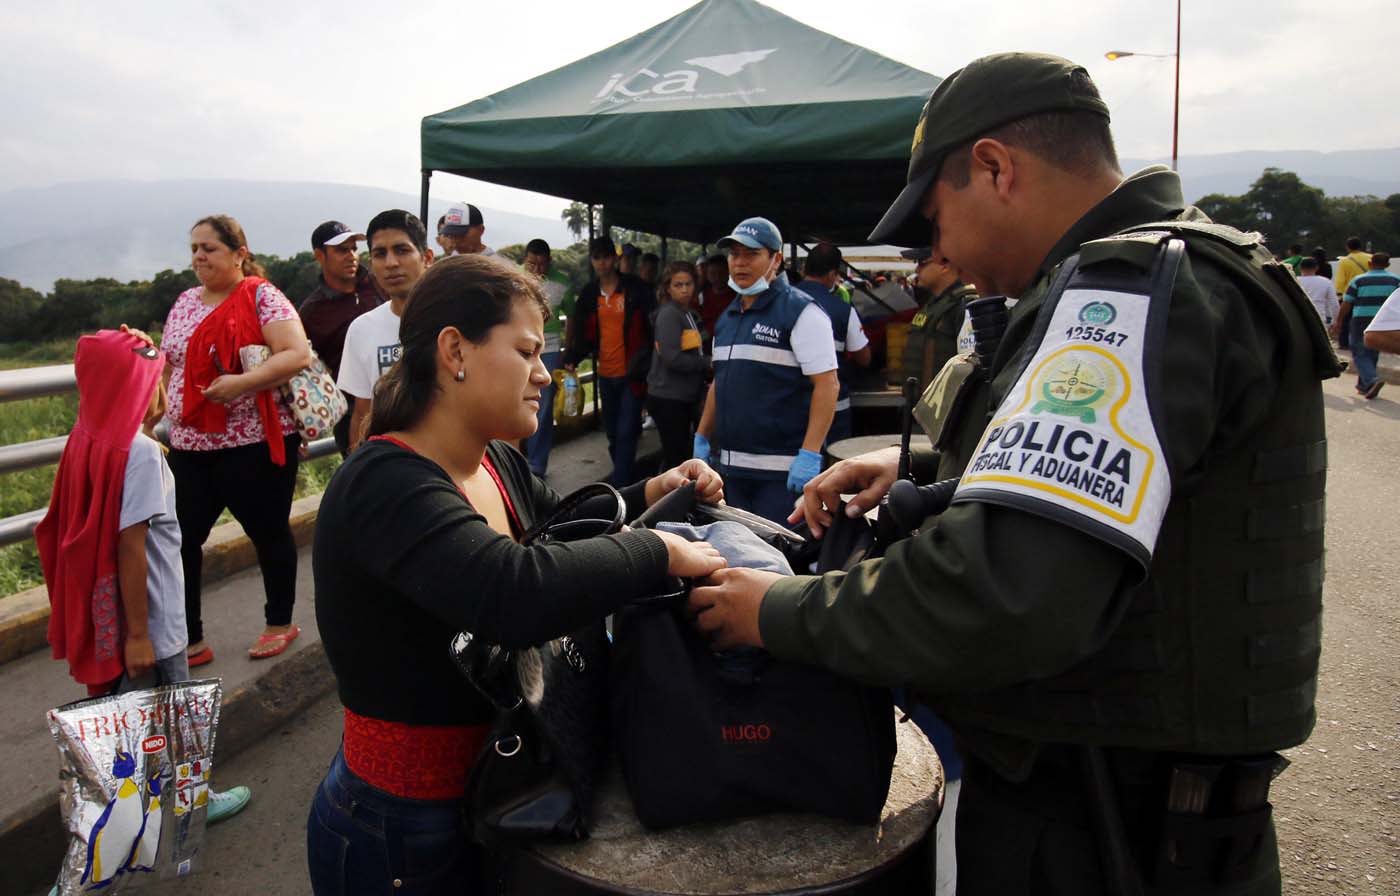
{"x":1119,"y":615}
{"x":934,"y":331}
{"x":345,"y":290}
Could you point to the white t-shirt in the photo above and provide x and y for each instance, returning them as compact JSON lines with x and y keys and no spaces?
{"x":1388,"y":317}
{"x":855,"y":333}
{"x":371,"y":347}
{"x":1322,"y":294}
{"x":812,"y":341}
{"x":148,"y":496}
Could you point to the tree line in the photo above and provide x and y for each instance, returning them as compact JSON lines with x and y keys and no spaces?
{"x":1288,"y":211}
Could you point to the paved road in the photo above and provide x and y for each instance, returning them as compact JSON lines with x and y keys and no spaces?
{"x":1338,"y":806}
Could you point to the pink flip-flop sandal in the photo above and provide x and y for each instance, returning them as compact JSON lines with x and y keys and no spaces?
{"x":268,"y":646}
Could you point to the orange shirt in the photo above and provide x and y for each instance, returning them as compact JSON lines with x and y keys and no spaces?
{"x":612,"y":347}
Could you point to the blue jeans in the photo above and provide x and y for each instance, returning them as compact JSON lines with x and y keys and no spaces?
{"x":361,"y":840}
{"x":622,"y":421}
{"x":1364,"y":358}
{"x":769,"y":498}
{"x":538,"y":447}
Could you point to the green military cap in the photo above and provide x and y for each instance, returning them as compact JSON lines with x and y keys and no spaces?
{"x":982,"y":95}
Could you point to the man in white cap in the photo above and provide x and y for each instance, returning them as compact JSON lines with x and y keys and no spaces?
{"x":463,"y":227}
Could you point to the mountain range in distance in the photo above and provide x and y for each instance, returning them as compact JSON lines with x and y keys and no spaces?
{"x":130,"y":230}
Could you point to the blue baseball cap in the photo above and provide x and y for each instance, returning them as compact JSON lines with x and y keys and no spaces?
{"x":756,"y":233}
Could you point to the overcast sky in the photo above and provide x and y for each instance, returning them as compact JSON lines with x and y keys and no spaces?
{"x":335,"y":91}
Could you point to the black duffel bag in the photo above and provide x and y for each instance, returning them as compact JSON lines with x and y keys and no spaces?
{"x":706,"y":736}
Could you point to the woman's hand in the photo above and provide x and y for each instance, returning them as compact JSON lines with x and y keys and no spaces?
{"x":709,"y":487}
{"x":226,"y":388}
{"x":690,"y":559}
{"x":139,"y":655}
{"x":139,"y":334}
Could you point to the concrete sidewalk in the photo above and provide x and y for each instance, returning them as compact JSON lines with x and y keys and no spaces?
{"x":259,"y":695}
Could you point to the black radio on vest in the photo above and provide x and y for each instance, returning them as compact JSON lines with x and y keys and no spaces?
{"x":989,"y":317}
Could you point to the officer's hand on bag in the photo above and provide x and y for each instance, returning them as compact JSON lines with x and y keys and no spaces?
{"x":726,"y":607}
{"x":690,"y":559}
{"x":806,"y":465}
{"x":702,"y":448}
{"x":871,"y":475}
{"x":709,"y":487}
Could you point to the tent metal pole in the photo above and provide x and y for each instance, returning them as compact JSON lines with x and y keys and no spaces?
{"x":664,"y":258}
{"x":423,"y":201}
{"x":590,"y":224}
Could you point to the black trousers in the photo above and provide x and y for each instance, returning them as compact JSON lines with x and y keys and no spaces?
{"x":259,"y":495}
{"x":1038,"y":836}
{"x":673,"y":423}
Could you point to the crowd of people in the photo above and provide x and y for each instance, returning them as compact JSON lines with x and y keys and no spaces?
{"x":1090,"y":649}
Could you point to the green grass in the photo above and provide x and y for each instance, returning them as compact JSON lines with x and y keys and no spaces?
{"x":42,"y":418}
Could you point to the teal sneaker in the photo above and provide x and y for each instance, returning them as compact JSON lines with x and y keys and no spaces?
{"x":227,"y":804}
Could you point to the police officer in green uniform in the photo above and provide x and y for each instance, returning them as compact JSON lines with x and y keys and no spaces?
{"x":933,"y":333}
{"x":1119,"y":614}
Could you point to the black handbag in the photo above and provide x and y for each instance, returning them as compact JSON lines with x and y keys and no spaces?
{"x":538,"y":770}
{"x":705,"y":736}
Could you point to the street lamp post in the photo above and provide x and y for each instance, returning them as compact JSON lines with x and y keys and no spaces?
{"x":1114,"y":55}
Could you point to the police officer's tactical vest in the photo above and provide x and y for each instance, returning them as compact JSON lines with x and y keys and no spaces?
{"x":762,"y":397}
{"x":938,"y":322}
{"x":1218,"y":650}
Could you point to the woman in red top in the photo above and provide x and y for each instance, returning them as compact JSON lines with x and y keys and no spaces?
{"x":416,"y":540}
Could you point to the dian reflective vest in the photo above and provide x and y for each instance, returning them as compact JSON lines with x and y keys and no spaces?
{"x":762,"y":397}
{"x":840,"y":314}
{"x":1218,"y":651}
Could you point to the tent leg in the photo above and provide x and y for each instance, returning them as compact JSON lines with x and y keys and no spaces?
{"x":664,"y":257}
{"x":423,"y":201}
{"x":590,"y":224}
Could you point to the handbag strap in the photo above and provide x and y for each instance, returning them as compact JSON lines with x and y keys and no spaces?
{"x":595,"y":509}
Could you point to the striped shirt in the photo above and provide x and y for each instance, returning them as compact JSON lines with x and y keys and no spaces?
{"x":1369,"y":291}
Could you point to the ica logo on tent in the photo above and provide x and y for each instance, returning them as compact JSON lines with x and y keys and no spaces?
{"x":621,"y":87}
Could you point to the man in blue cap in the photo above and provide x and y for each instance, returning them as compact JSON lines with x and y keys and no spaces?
{"x":775,"y":388}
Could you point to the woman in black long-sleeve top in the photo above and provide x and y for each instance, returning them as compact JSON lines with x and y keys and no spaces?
{"x":415,"y":541}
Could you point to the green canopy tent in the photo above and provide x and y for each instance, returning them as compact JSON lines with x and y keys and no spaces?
{"x":726,"y":110}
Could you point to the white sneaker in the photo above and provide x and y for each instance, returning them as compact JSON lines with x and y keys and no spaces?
{"x":648,"y":423}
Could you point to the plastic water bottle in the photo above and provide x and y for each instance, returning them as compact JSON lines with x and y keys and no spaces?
{"x":572,"y":404}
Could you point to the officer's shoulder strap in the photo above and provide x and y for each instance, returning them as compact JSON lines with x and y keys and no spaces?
{"x":1241,"y":256}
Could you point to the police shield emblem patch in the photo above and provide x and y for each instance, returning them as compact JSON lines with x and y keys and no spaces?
{"x":1074,"y":439}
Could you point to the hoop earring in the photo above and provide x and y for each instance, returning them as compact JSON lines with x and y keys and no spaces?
{"x":460,"y":376}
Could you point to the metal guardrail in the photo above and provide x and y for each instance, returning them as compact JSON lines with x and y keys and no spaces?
{"x":59,"y":379}
{"x":41,"y":382}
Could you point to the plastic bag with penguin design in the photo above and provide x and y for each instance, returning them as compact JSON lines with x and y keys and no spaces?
{"x":134,"y":784}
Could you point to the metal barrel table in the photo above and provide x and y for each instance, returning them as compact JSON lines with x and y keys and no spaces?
{"x":770,"y":854}
{"x":854,"y":447}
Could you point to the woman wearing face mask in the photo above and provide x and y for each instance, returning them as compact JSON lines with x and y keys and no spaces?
{"x":676,"y":381}
{"x":417,"y":540}
{"x":775,"y":387}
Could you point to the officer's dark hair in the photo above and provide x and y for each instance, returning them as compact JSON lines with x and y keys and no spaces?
{"x":537,"y":247}
{"x":1079,"y":142}
{"x":398,"y":219}
{"x":1307,"y":264}
{"x":822,"y":260}
{"x":474,"y":294}
{"x":1353,"y":244}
